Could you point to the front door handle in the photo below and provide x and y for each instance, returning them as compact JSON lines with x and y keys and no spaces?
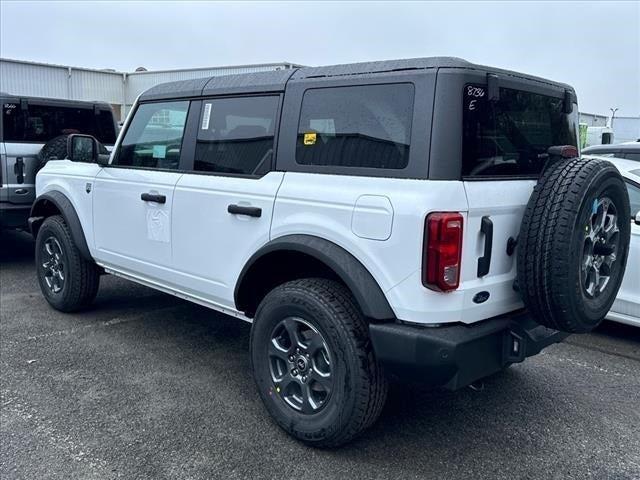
{"x":153,"y":197}
{"x":243,"y":210}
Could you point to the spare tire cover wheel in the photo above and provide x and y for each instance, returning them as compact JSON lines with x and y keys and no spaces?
{"x":56,"y":149}
{"x":573,"y":244}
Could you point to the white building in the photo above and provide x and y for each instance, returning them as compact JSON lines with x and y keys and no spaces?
{"x":626,"y":129}
{"x":120,"y":89}
{"x":593,"y":119}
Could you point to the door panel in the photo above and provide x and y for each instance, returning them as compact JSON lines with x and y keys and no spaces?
{"x":20,"y":158}
{"x":626,"y":308}
{"x":133,"y":199}
{"x":131,"y":233}
{"x":211,"y":245}
{"x":222,"y":217}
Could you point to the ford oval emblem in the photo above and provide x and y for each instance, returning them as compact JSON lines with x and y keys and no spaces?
{"x":481,"y":297}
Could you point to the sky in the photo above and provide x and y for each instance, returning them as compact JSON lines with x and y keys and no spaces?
{"x":593,"y":46}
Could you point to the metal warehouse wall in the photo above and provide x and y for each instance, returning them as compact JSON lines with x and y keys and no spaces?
{"x":57,"y":81}
{"x":120,"y":89}
{"x":626,"y":129}
{"x":593,"y":120}
{"x":138,"y":82}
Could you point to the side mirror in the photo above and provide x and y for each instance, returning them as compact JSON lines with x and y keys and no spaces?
{"x":85,"y":148}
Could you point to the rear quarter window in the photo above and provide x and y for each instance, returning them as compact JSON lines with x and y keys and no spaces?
{"x":366,"y":126}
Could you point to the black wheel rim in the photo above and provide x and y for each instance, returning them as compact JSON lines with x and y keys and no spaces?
{"x":600,"y":247}
{"x":300,"y":363}
{"x":53,"y":265}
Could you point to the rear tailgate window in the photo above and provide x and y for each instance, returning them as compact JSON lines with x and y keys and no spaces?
{"x":39,"y":123}
{"x":510,"y":137}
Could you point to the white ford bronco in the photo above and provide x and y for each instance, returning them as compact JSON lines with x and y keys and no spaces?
{"x":425,"y":219}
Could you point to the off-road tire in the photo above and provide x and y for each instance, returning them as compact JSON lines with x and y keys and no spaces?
{"x":82,"y":277}
{"x":360,"y":386}
{"x":550,"y":243}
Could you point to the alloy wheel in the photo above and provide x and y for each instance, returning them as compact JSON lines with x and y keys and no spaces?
{"x":53,"y":265}
{"x":600,"y":247}
{"x":300,"y":363}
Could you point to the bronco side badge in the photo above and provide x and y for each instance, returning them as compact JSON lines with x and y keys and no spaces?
{"x":87,"y":187}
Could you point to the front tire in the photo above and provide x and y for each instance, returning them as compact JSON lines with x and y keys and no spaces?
{"x":68,"y":281}
{"x":313,"y":362}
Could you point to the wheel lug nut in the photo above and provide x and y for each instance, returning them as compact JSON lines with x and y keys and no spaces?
{"x":294,"y":372}
{"x":291,"y":358}
{"x":304,"y":379}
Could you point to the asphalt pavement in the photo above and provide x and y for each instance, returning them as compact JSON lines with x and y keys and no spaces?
{"x":144,"y":385}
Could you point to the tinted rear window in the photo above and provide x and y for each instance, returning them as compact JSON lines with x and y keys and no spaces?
{"x":365,"y":126}
{"x":41,"y":123}
{"x":510,"y":137}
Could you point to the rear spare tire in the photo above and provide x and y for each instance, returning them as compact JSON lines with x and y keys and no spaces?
{"x":573,"y":244}
{"x":56,"y":149}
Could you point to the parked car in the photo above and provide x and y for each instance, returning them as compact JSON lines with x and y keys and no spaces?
{"x":628,"y":151}
{"x":597,"y":135}
{"x":370,"y":220}
{"x":626,"y":308}
{"x":27,"y":125}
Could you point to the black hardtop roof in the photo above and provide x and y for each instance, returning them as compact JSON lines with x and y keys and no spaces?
{"x":273,"y":81}
{"x":57,"y":101}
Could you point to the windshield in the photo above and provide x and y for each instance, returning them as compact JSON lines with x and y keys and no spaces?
{"x":510,"y":137}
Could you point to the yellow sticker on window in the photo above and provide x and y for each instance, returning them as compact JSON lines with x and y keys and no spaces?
{"x":310,"y":138}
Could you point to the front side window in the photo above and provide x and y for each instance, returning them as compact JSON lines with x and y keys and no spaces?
{"x":365,"y":126}
{"x":235,"y":135}
{"x":41,"y":123}
{"x":154,"y":136}
{"x":510,"y":137}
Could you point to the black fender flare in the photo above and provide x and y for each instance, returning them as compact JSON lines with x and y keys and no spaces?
{"x":348,"y":268}
{"x":40,"y":210}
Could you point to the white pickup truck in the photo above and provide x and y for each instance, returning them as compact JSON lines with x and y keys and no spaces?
{"x":371,"y":220}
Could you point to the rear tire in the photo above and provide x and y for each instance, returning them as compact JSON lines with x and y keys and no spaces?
{"x":573,"y":244}
{"x":319,"y":312}
{"x":68,"y":281}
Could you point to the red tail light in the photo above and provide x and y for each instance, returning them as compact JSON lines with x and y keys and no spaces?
{"x":442,"y":251}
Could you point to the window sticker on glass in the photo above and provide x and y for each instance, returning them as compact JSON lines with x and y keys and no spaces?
{"x":310,"y":138}
{"x":206,"y":116}
{"x":159,"y":151}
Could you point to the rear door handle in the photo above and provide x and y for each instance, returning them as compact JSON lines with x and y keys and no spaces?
{"x":18,"y":169}
{"x":153,"y":197}
{"x":484,"y":262}
{"x":242,"y":210}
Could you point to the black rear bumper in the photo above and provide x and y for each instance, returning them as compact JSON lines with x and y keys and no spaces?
{"x":458,"y":355}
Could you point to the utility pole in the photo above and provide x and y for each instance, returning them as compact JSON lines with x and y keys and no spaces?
{"x":613,"y":115}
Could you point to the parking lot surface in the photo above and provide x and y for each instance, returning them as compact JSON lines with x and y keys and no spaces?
{"x":144,"y":385}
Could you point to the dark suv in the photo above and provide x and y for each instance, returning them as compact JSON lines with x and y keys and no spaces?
{"x":26,"y":125}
